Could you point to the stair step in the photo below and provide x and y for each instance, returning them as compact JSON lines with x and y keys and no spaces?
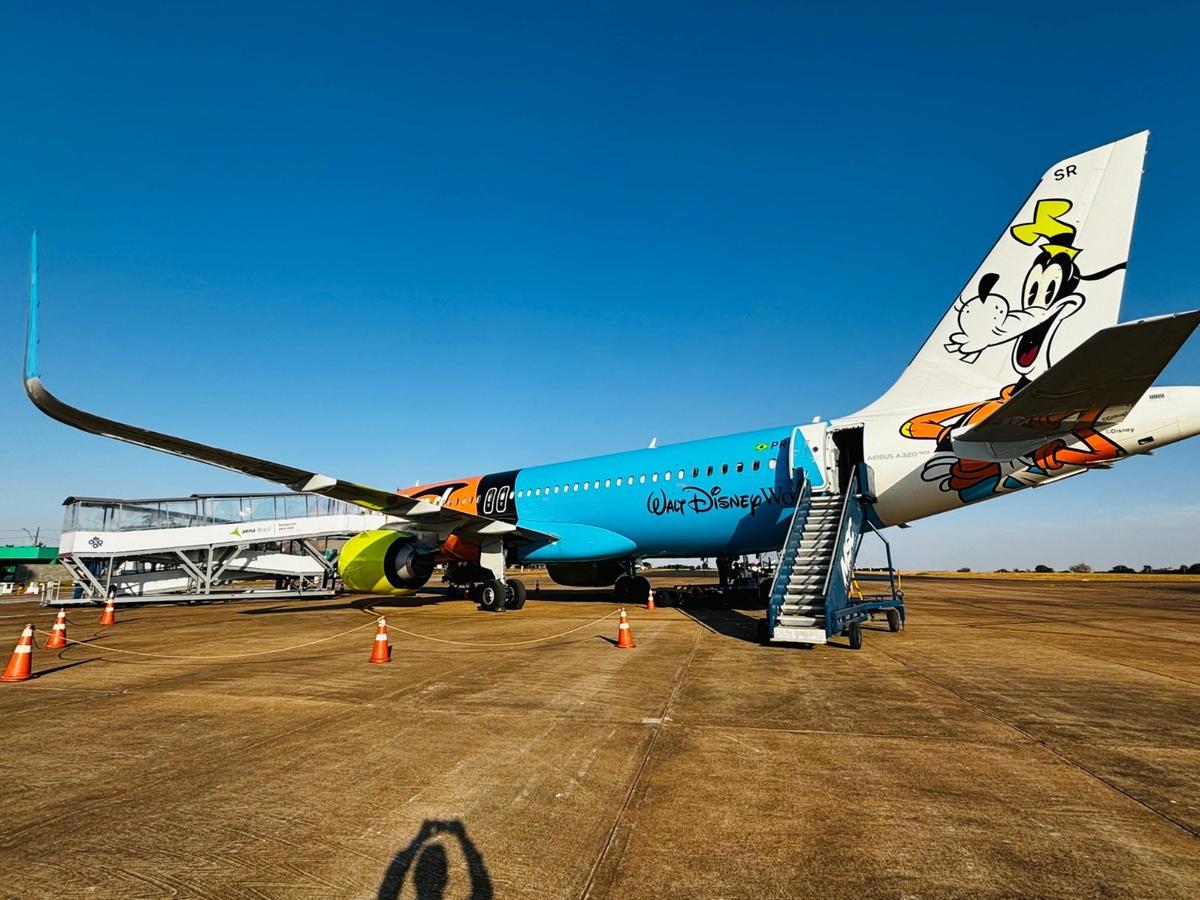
{"x":791,"y":621}
{"x":786,"y":635}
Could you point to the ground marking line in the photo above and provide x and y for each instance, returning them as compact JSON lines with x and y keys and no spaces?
{"x":1047,"y":747}
{"x":1060,"y":620}
{"x":637,"y":778}
{"x":235,"y":752}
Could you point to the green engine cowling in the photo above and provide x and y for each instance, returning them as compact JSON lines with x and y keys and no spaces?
{"x":385,"y":562}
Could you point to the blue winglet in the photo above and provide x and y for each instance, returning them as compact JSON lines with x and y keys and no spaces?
{"x":31,"y":328}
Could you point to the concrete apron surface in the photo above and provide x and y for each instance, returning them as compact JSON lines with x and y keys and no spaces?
{"x":1017,"y":738}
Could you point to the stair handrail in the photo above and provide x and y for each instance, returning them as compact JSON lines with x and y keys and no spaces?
{"x":842,"y":523}
{"x":887,"y":546}
{"x":851,"y":509}
{"x":784,"y":569}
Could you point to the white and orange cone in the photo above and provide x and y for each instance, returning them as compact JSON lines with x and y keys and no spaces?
{"x":58,"y":632}
{"x":110,"y":613}
{"x":650,"y":600}
{"x":624,"y":635}
{"x":381,"y":652}
{"x":21,"y":664}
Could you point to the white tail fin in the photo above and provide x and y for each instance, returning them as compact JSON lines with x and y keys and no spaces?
{"x":1053,"y":279}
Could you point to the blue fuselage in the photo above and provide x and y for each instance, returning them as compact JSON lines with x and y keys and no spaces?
{"x":718,"y":496}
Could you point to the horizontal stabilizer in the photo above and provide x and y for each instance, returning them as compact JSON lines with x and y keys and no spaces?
{"x":1093,"y":386}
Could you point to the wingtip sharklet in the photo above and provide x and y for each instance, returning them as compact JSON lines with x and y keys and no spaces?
{"x":31,"y":371}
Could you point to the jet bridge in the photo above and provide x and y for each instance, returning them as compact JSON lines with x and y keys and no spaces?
{"x":207,"y":546}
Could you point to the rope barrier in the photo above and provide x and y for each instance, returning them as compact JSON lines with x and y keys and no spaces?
{"x":373,"y":622}
{"x":426,"y":637}
{"x":218,"y":655}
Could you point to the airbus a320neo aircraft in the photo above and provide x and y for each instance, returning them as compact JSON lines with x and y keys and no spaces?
{"x":1027,"y":379}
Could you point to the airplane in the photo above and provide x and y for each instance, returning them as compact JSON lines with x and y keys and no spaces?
{"x":1027,"y":379}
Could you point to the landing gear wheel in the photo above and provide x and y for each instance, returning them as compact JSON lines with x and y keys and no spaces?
{"x":492,"y":595}
{"x":639,"y":591}
{"x":762,"y":631}
{"x":621,"y":589}
{"x":516,"y":593}
{"x":855,"y":634}
{"x":893,"y":617}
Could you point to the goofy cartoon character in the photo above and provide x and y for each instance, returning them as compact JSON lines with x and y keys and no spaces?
{"x":1048,"y":296}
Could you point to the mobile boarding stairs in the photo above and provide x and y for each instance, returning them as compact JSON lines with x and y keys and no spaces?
{"x":813,"y":597}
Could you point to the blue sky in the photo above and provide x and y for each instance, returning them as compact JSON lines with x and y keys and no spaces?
{"x":412,"y":242}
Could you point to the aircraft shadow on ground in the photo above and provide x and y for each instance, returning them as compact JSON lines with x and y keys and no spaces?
{"x":358,"y":603}
{"x":441,"y":856}
{"x":730,"y":622}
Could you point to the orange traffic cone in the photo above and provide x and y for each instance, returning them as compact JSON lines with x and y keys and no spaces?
{"x":624,"y":635}
{"x":110,"y":613}
{"x":58,"y":633}
{"x":381,"y":652}
{"x":650,"y":600}
{"x":21,"y":663}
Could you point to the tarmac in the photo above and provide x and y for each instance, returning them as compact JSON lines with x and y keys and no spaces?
{"x":1017,"y":738}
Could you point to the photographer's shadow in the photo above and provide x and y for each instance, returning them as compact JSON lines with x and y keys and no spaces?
{"x":425,"y":865}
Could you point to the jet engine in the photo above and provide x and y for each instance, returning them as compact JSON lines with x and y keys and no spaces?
{"x":385,"y":562}
{"x":597,"y":574}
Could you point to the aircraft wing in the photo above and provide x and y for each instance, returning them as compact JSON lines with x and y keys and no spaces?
{"x":422,"y":513}
{"x":1094,"y":385}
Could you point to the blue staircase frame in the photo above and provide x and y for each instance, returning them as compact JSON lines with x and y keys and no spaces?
{"x":841,"y":609}
{"x":787,"y":555}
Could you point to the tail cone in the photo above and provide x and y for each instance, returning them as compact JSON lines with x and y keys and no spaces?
{"x":58,"y":633}
{"x":381,"y":652}
{"x":624,"y":635}
{"x":21,"y":664}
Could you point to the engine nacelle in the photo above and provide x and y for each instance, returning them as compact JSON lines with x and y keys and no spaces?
{"x":385,"y":562}
{"x":597,"y":574}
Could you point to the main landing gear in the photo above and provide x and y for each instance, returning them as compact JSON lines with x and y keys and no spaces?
{"x":482,"y":586}
{"x":632,"y":590}
{"x":494,"y":595}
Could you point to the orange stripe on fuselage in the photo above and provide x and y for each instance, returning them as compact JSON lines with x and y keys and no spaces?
{"x":463,"y":493}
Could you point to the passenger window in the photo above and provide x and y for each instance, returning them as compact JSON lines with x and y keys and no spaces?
{"x":577,"y":485}
{"x":695,"y":471}
{"x":608,"y":482}
{"x":770,"y":463}
{"x":538,"y":492}
{"x":740,"y":468}
{"x":756,"y":465}
{"x":642,"y":480}
{"x":710,"y":471}
{"x":667,"y":476}
{"x":654,"y":477}
{"x":681,"y":474}
{"x":596,"y":484}
{"x":618,"y":482}
{"x":556,"y":489}
{"x":724,"y":468}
